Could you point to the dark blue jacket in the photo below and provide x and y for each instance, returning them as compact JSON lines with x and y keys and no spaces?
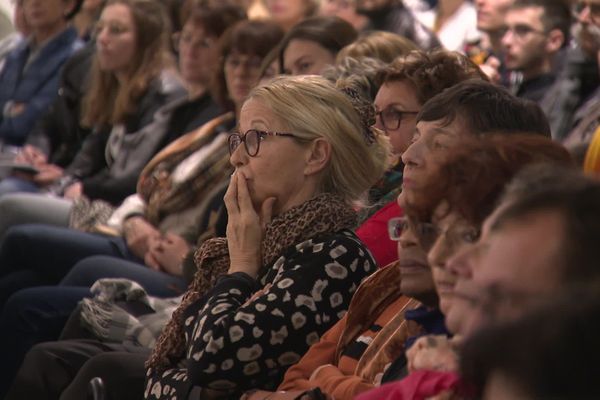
{"x":37,"y":87}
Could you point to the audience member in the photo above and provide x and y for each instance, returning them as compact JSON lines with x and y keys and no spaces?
{"x":22,"y":30}
{"x":488,"y":52}
{"x":587,"y":117}
{"x":407,"y":83}
{"x":453,"y":21}
{"x":29,"y":78}
{"x":394,"y":16}
{"x":578,"y":79}
{"x":548,"y":353}
{"x":313,"y":44}
{"x":536,"y":30}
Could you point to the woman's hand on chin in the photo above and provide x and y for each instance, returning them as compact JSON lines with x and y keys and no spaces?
{"x":245,"y":228}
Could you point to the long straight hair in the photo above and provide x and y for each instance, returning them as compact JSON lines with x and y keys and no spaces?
{"x":109,"y":101}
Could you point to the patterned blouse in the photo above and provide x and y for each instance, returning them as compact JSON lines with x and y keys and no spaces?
{"x":245,"y":333}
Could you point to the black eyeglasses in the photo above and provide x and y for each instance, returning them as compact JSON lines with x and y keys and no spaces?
{"x":252,"y":139}
{"x":391,"y":117}
{"x":425,"y":232}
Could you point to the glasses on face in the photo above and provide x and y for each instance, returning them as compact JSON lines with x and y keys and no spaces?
{"x":520,"y":31}
{"x":248,"y":62}
{"x":187,"y":39}
{"x":594,"y":10}
{"x":396,"y":226}
{"x":252,"y":139}
{"x":391,"y":118}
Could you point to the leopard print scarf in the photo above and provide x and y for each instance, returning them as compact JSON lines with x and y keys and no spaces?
{"x":322,"y":214}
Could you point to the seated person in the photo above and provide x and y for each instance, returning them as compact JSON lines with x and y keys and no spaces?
{"x":30,"y":75}
{"x":406,"y":84}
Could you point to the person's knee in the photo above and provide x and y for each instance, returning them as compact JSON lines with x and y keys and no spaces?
{"x":85,"y":272}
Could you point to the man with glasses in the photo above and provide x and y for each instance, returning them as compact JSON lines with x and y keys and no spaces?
{"x":535,"y":32}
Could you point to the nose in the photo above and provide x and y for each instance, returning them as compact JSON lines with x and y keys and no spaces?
{"x":506,"y":39}
{"x":102,"y":36}
{"x":412,"y":155}
{"x":238,"y":157}
{"x":407,"y":239}
{"x":584,"y":15}
{"x":440,"y":253}
{"x":461,"y":262}
{"x":379,"y":124}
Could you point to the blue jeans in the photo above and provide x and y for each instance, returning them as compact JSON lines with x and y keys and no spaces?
{"x":12,"y":184}
{"x":39,"y":314}
{"x":38,"y":255}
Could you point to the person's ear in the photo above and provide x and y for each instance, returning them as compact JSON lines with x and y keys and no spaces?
{"x":318,"y":156}
{"x":554,"y":41}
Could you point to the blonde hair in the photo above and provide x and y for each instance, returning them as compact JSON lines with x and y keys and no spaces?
{"x":108,"y":102}
{"x":385,"y":46}
{"x":312,"y":107}
{"x":591,"y":164}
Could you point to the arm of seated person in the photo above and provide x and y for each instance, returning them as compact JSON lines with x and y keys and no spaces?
{"x":167,"y":253}
{"x":138,"y":234}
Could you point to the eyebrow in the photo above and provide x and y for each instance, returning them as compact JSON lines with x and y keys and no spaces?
{"x":393,"y":105}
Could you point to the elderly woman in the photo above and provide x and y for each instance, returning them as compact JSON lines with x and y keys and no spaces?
{"x":290,"y":262}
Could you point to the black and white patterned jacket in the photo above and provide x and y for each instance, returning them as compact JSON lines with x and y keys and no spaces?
{"x":245,"y":333}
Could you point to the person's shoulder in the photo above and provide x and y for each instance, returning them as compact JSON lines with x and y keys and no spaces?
{"x":335,"y":244}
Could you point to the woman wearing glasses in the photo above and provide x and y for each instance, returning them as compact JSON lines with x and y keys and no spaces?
{"x":407,"y":83}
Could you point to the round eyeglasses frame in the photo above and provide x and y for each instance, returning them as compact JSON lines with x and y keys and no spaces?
{"x":252,"y":136}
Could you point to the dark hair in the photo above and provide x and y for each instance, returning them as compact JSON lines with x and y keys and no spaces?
{"x":331,"y":33}
{"x":430,"y":72}
{"x":214,"y":16}
{"x":485,"y":108}
{"x":362,"y":72}
{"x":549,"y":353}
{"x":246,"y":37}
{"x":475,"y":171}
{"x":556,"y":15}
{"x":576,"y":198}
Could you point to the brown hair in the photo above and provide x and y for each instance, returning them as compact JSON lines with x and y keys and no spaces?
{"x":385,"y":46}
{"x":429,"y":73}
{"x":246,"y":37}
{"x":109,"y":102}
{"x":331,"y":33}
{"x":475,"y":172}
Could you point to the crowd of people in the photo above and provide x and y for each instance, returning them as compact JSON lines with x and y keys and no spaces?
{"x":300,"y":199}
